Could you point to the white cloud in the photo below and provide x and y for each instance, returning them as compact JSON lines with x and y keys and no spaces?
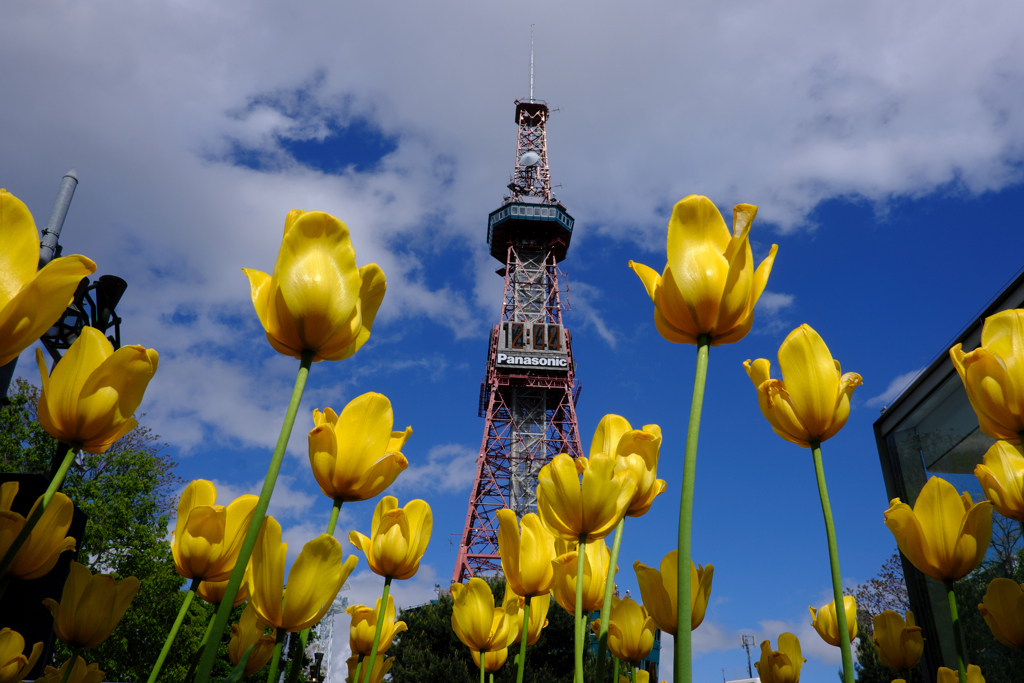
{"x":858,"y":101}
{"x":586,"y":301}
{"x":449,"y":467}
{"x":773,"y":302}
{"x":898,"y":384}
{"x":768,"y":315}
{"x":288,"y":503}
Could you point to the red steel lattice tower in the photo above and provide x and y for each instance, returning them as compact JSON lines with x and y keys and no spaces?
{"x":529,"y":393}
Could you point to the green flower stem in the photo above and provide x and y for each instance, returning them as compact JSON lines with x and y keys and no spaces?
{"x":606,"y":608}
{"x":580,"y":558}
{"x":632,"y":670}
{"x":75,"y":652}
{"x":333,"y":521}
{"x":199,"y":651}
{"x":224,"y":610}
{"x":615,"y":672}
{"x":958,"y":635}
{"x":522,"y":642}
{"x":185,"y":604}
{"x":681,"y":670}
{"x":833,"y":557}
{"x":380,"y":627}
{"x":275,"y":660}
{"x":483,"y":665}
{"x":359,"y":668}
{"x":37,"y":514}
{"x":293,"y":671}
{"x":492,"y":677}
{"x":296,"y":665}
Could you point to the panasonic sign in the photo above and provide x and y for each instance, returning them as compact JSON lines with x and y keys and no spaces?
{"x":507,"y":359}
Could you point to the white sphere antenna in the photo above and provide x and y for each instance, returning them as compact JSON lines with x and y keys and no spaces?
{"x":529,"y":159}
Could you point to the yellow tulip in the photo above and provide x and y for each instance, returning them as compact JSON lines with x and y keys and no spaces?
{"x":591,"y":509}
{"x":812,"y":402}
{"x":398,"y":537}
{"x":492,"y":660}
{"x":526,"y":559}
{"x":595,"y":573}
{"x":364,"y":626}
{"x":248,"y":632}
{"x":659,"y":589}
{"x":380,"y":667}
{"x":90,"y":398}
{"x":539,"y":605}
{"x":30,"y":301}
{"x":945,"y":535}
{"x":709,"y":285}
{"x":80,"y":673}
{"x":899,"y":642}
{"x":315,"y":578}
{"x":1003,"y":610}
{"x":90,"y":606}
{"x":630,"y":630}
{"x":993,"y":375}
{"x":642,"y":676}
{"x":355,"y":455}
{"x":207,"y":538}
{"x":213,"y":591}
{"x":825,"y":623}
{"x":14,"y":665}
{"x":636,"y":452}
{"x":1001,"y":476}
{"x":478,"y":623}
{"x":47,"y":540}
{"x":950,"y":676}
{"x":317,"y":299}
{"x":782,"y":665}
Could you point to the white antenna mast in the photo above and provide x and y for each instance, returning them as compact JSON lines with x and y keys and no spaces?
{"x":531,"y":62}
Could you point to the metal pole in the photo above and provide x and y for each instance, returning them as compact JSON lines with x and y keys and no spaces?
{"x":47,"y":249}
{"x":51,"y":233}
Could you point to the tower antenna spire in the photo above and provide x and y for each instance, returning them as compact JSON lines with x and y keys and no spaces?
{"x":531,"y":62}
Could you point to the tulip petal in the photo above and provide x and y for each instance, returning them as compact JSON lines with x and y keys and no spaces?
{"x":19,"y":258}
{"x":811,"y":379}
{"x":371,"y":295}
{"x":1001,"y":476}
{"x":697,"y":241}
{"x":112,"y":393}
{"x":648,"y":276}
{"x":735,"y":303}
{"x":71,"y":374}
{"x":508,"y":548}
{"x":317,"y":282}
{"x":41,"y":303}
{"x":259,"y":285}
{"x":559,"y":499}
{"x":910,"y":537}
{"x":266,"y":582}
{"x":364,"y":428}
{"x":609,"y":432}
{"x":537,"y":552}
{"x":313,"y":583}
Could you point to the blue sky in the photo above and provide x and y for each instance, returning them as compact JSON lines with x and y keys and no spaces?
{"x":882,"y":144}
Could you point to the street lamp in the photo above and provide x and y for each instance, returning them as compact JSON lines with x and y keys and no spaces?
{"x":93,"y":306}
{"x":318,"y":658}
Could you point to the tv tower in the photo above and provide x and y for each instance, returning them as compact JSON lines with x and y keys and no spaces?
{"x":529,"y":393}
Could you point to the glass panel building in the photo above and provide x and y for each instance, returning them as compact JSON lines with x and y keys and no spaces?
{"x":931,"y":429}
